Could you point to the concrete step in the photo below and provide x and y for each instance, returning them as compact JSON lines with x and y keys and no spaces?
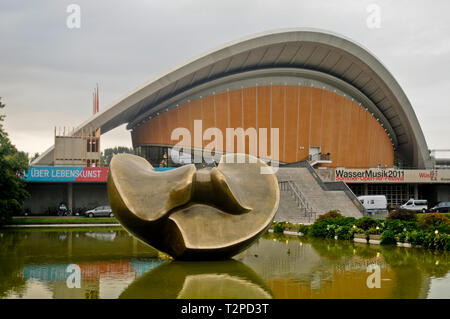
{"x":288,"y":210}
{"x":321,"y":200}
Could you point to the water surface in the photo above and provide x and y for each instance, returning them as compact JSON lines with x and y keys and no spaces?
{"x":113,"y":264}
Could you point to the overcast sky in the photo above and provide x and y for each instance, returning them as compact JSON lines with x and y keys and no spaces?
{"x":48,"y":71}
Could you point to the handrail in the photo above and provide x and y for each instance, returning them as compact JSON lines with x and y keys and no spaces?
{"x":341,"y":186}
{"x":319,"y":157}
{"x":332,"y":186}
{"x":300,"y":198}
{"x":300,"y":195}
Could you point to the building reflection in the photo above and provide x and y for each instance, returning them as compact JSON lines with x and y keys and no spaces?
{"x":109,"y":274}
{"x":296,"y":267}
{"x":108,"y":260}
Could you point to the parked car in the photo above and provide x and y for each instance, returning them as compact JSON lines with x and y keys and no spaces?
{"x":441,"y":207}
{"x":418,"y":205}
{"x":99,"y":212}
{"x":373,"y":202}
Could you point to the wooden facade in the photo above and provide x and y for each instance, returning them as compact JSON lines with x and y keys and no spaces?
{"x":306,"y":117}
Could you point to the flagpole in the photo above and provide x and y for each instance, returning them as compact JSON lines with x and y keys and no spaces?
{"x":97,"y":99}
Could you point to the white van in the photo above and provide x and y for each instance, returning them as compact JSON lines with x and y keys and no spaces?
{"x":418,"y":205}
{"x":373,"y":202}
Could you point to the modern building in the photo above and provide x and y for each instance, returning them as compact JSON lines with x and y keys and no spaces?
{"x":323,"y":91}
{"x":80,"y":149}
{"x":333,"y":102}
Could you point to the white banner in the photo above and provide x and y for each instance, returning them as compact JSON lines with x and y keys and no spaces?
{"x":377,"y":175}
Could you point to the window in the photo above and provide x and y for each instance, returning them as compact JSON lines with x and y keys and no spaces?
{"x":160,"y":156}
{"x":372,"y":202}
{"x":396,"y":194}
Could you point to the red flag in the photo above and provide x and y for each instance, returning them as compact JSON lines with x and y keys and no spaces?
{"x":95,"y":101}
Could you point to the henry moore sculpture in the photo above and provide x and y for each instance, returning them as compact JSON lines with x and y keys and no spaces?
{"x":190,"y":214}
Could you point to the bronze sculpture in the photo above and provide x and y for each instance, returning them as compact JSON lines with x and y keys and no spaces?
{"x":205,"y":214}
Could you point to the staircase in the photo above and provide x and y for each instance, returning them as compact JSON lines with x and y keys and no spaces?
{"x":294,"y":207}
{"x":304,"y":196}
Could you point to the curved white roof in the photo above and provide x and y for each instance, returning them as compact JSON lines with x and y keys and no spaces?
{"x":321,"y":54}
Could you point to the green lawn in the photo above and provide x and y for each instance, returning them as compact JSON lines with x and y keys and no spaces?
{"x":62,"y":220}
{"x":61,"y":228}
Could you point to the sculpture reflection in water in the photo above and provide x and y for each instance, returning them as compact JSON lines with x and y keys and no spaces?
{"x":205,"y":214}
{"x":229,"y":279}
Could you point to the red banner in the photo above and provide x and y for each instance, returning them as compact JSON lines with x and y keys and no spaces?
{"x":93,"y":174}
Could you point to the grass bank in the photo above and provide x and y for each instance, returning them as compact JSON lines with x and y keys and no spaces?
{"x":61,"y":229}
{"x":62,"y":220}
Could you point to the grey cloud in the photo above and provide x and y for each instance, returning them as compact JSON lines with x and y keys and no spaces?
{"x":47,"y":72}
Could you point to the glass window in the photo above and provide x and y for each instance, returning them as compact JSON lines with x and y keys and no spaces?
{"x":396,"y":194}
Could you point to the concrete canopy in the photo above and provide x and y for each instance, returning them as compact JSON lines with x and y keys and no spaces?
{"x":321,"y":54}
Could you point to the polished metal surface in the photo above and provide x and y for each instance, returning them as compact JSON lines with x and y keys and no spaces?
{"x":210,"y":213}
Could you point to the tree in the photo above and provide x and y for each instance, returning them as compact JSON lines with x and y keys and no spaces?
{"x":110,"y":152}
{"x":2,"y":117}
{"x":36,"y":155}
{"x":12,"y":165}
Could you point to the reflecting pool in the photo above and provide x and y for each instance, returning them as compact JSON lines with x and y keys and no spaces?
{"x":109,"y":263}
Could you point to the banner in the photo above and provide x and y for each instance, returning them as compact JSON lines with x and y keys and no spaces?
{"x":76,"y":174}
{"x":66,"y":174}
{"x":390,"y":175}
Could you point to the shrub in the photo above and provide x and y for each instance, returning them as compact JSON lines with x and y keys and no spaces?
{"x":437,"y":241}
{"x":290,"y":226}
{"x":402,"y":214}
{"x":357,"y":230}
{"x":344,"y":232}
{"x":374,"y":230}
{"x":304,"y":229}
{"x":398,"y":226}
{"x":331,"y":214}
{"x":435,"y":221}
{"x":344,"y":221}
{"x":367,"y":222}
{"x":416,"y":237}
{"x":388,"y":238}
{"x":323,"y":229}
{"x":279,"y":227}
{"x":401,"y":237}
{"x":319,"y":229}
